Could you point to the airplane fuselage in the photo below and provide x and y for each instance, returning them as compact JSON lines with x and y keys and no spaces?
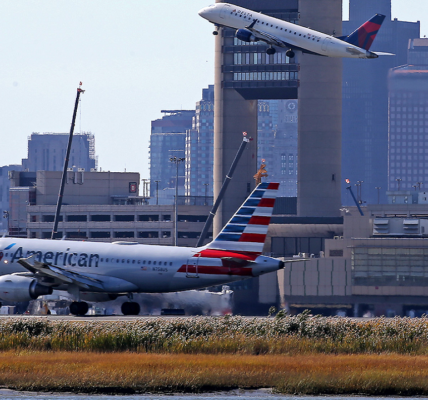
{"x":132,"y":267}
{"x":291,"y":35}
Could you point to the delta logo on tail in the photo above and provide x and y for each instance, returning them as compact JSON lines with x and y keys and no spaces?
{"x":365,"y":35}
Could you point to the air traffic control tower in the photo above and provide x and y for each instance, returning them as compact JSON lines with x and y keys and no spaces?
{"x":244,"y":73}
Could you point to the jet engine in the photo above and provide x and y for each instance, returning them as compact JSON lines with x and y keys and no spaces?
{"x":245,"y":35}
{"x":21,"y":288}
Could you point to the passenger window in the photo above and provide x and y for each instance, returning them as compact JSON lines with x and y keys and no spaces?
{"x":139,"y":262}
{"x":165,"y":263}
{"x":133,"y":261}
{"x":128,"y":261}
{"x":149,"y":262}
{"x":118,"y":260}
{"x":123,"y":261}
{"x":170,"y":263}
{"x":102,"y":259}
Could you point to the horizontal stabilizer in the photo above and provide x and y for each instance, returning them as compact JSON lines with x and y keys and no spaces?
{"x":381,"y":53}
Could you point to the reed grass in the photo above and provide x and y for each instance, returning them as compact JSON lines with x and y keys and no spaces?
{"x":223,"y":335}
{"x":387,"y":374}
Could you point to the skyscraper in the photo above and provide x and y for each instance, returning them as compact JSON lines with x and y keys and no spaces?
{"x":167,"y":139}
{"x":365,"y":100}
{"x":408,"y":120}
{"x":200,"y":147}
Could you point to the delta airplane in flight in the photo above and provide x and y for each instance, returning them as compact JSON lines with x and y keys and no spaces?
{"x":103,"y":271}
{"x":252,"y":26}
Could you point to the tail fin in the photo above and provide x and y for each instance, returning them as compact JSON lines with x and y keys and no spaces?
{"x":246,"y":231}
{"x":365,"y":35}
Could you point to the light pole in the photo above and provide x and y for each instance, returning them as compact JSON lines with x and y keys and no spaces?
{"x":359,"y":185}
{"x":398,"y":183}
{"x":378,"y":194}
{"x":176,"y":160}
{"x":157,"y":192}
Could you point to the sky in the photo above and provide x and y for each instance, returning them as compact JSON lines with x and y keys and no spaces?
{"x":134,"y":57}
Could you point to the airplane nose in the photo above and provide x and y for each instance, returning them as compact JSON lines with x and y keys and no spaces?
{"x":203,"y":13}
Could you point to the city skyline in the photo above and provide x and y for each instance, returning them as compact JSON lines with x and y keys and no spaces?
{"x":130,"y":62}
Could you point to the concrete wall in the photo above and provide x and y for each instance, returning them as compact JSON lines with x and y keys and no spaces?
{"x":320,"y":117}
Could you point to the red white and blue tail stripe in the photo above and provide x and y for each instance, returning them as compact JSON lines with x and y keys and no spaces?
{"x":246,"y":231}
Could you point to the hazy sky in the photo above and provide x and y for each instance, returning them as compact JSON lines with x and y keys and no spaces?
{"x":134,"y":57}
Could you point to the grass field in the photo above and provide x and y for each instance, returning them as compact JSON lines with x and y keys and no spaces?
{"x":291,"y":354}
{"x":137,"y":373}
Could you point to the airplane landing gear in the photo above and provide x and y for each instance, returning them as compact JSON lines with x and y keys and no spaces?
{"x":270,"y":51}
{"x":290,"y":53}
{"x":130,"y":308}
{"x":215,"y":33}
{"x":79,"y":308}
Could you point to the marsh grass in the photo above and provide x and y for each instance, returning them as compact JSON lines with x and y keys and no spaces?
{"x":141,"y":373}
{"x":224,"y":335}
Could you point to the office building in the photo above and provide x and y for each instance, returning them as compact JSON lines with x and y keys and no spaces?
{"x":200,"y":148}
{"x":408,"y":120}
{"x":365,"y":100}
{"x":167,"y":140}
{"x":46,"y":151}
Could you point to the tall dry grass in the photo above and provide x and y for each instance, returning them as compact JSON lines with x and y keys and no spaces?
{"x":138,"y":373}
{"x":224,"y":335}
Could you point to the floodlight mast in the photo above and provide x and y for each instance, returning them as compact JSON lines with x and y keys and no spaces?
{"x":67,"y":157}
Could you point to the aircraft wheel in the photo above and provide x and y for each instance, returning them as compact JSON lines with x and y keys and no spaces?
{"x":215,"y":33}
{"x":130,"y":308}
{"x":290,"y":54}
{"x":270,"y":51}
{"x":79,"y":308}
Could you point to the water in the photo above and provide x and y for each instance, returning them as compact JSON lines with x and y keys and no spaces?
{"x":237,"y":395}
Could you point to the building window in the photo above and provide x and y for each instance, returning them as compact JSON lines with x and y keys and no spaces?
{"x":100,"y":218}
{"x":100,"y":235}
{"x":124,"y":218}
{"x":148,"y":235}
{"x":128,"y":234}
{"x":77,"y":218}
{"x":148,"y":218}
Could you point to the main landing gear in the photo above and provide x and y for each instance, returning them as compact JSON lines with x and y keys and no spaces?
{"x":290,"y":53}
{"x":79,"y":308}
{"x":130,"y":308}
{"x":270,"y":51}
{"x":215,"y":33}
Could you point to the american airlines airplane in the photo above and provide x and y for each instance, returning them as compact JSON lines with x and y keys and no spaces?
{"x":99,"y":272}
{"x":253,"y":27}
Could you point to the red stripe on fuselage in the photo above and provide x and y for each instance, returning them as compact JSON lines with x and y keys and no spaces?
{"x":209,"y":270}
{"x":245,"y":255}
{"x":273,"y":186}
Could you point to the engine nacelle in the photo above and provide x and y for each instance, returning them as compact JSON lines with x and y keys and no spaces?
{"x":245,"y":35}
{"x":21,"y":288}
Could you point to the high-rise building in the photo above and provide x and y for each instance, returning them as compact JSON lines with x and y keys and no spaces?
{"x":167,"y":140}
{"x":200,"y":147}
{"x":46,"y":152}
{"x":277,"y":143}
{"x":408,"y":120}
{"x":365,"y":100}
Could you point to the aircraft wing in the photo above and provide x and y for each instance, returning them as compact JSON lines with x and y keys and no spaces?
{"x":266,"y":37}
{"x":62,"y":275}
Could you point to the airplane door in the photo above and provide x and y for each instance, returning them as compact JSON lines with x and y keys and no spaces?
{"x":224,"y":11}
{"x":192,"y":267}
{"x":325,"y":44}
